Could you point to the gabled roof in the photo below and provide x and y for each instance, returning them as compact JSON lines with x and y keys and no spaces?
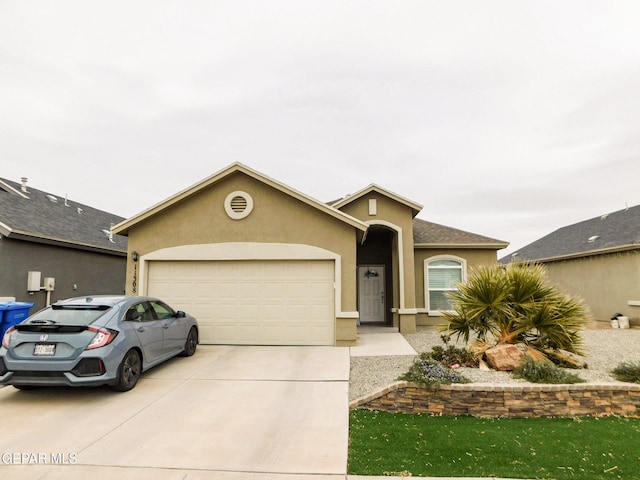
{"x":415,"y":207}
{"x":611,"y":232}
{"x":124,"y":227}
{"x":41,"y":217}
{"x":431,"y":235}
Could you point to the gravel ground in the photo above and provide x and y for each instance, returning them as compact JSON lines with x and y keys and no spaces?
{"x":606,"y":348}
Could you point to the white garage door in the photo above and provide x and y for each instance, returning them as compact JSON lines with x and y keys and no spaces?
{"x":285,"y":302}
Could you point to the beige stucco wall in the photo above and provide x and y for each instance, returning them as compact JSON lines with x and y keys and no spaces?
{"x":473,"y":257}
{"x":400,"y":215}
{"x":605,"y":282}
{"x":276,"y":218}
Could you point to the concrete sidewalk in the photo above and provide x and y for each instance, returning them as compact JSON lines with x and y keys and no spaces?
{"x":227,"y":413}
{"x":380,"y":341}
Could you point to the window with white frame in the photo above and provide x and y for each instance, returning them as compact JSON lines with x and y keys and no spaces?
{"x":442,"y":275}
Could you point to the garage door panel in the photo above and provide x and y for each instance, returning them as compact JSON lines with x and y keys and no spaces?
{"x":252,"y":302}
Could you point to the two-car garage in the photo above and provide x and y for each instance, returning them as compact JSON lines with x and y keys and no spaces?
{"x":256,"y":262}
{"x":255,"y":302}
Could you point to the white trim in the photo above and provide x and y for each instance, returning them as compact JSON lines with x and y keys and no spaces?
{"x":373,"y":207}
{"x":124,"y":226}
{"x":416,"y":207}
{"x":400,"y":252}
{"x":476,"y":246}
{"x":425,"y":268}
{"x":17,"y":192}
{"x":231,"y":212}
{"x":246,"y":251}
{"x":6,"y":227}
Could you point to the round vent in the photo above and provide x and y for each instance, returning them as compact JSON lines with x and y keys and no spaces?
{"x":238,"y":205}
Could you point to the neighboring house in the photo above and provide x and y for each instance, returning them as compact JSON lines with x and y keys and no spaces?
{"x":59,"y":239}
{"x":597,"y":259}
{"x":257,"y":262}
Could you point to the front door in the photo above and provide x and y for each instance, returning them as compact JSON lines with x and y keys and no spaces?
{"x":371,"y":293}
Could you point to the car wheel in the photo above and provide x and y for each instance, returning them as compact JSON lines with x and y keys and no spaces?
{"x":191,"y":344}
{"x":128,"y":372}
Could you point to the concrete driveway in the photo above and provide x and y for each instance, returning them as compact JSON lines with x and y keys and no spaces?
{"x":229,"y":412}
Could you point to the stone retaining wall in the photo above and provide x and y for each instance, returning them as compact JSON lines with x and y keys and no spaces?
{"x":511,"y":401}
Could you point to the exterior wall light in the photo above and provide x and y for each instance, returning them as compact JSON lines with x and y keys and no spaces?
{"x":134,"y":256}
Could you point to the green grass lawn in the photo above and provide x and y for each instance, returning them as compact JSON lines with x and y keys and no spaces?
{"x":383,"y":443}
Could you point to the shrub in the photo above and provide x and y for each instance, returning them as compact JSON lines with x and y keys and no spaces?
{"x":427,"y":371}
{"x":627,"y":372}
{"x":544,"y":372}
{"x":451,"y":355}
{"x":517,"y":304}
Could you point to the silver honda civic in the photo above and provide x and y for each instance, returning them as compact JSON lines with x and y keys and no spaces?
{"x":95,"y":340}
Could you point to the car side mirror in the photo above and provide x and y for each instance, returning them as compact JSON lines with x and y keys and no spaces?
{"x":180,"y":314}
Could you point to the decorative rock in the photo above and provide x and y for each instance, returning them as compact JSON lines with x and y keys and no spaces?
{"x":505,"y":357}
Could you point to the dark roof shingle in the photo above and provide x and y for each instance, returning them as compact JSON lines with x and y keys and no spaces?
{"x":610,"y":231}
{"x":44,"y":217}
{"x":428,"y":233}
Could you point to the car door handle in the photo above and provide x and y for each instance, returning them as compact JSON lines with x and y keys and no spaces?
{"x":140,"y":329}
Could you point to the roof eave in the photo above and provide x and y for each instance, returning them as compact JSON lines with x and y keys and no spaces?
{"x":484,"y":246}
{"x":5,"y":229}
{"x":589,"y":253}
{"x":123,"y":227}
{"x":30,"y":237}
{"x":415,"y":207}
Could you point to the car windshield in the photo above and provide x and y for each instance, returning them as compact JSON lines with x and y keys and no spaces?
{"x":69,"y":314}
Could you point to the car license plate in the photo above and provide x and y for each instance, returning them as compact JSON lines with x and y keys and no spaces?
{"x":45,"y":349}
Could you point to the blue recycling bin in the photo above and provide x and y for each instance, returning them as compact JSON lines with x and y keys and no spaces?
{"x":12,"y":313}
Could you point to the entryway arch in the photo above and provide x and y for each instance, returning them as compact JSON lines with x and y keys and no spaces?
{"x":380,"y":273}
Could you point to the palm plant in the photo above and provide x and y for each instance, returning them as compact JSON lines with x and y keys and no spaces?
{"x":516,"y":304}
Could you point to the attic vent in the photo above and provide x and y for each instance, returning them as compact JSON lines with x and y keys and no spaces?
{"x":109,"y":234}
{"x":593,"y":238}
{"x":238,"y":205}
{"x":52,"y":198}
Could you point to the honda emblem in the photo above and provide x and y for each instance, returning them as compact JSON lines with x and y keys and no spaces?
{"x":44,"y":338}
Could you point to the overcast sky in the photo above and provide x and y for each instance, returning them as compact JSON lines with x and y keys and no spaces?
{"x":505,"y":118}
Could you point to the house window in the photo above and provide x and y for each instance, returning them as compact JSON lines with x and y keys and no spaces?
{"x":442,"y":275}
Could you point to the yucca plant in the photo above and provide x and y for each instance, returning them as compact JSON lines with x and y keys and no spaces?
{"x":516,"y":304}
{"x":427,"y":371}
{"x":627,"y":372}
{"x":543,"y":371}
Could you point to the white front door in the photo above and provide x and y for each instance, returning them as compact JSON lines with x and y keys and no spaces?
{"x":371,"y":293}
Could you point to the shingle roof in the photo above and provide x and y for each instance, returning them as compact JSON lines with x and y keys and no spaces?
{"x":617,"y":230}
{"x":43,"y":217}
{"x":432,"y":234}
{"x":236,"y":168}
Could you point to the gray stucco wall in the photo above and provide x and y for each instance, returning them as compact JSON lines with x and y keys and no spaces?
{"x":92,"y":273}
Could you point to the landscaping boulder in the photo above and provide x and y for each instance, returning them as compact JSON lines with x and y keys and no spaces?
{"x":504,"y":357}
